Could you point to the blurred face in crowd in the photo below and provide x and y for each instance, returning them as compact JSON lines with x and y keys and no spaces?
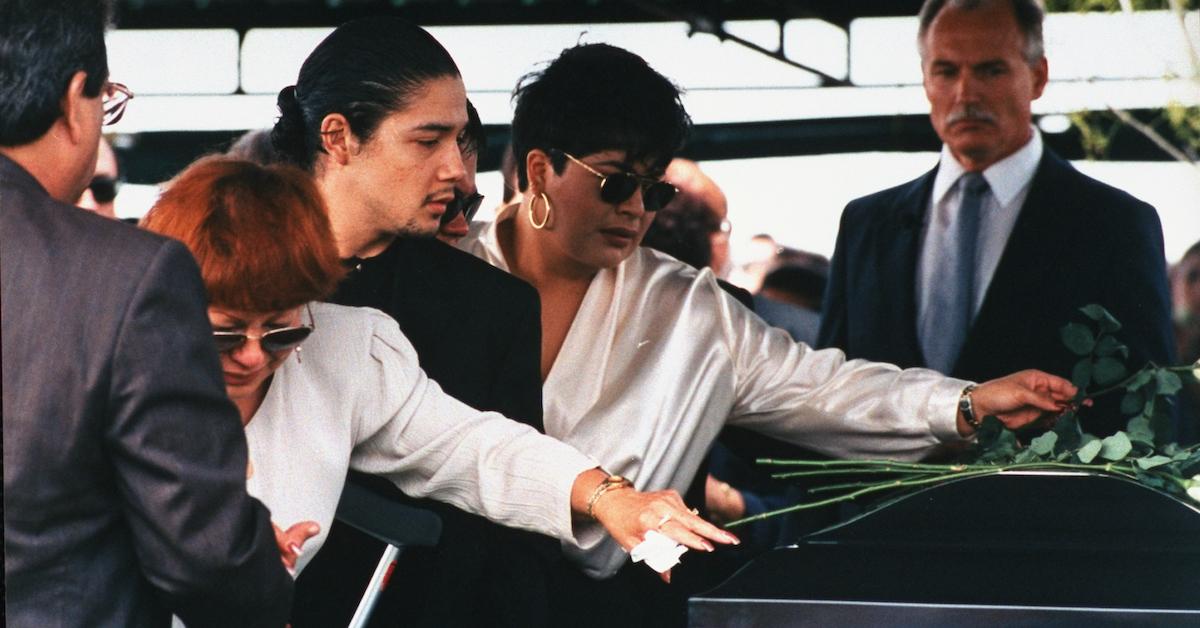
{"x":247,"y":368}
{"x":404,"y":175}
{"x":979,"y":83}
{"x":583,"y":227}
{"x":455,"y":230}
{"x":101,"y":191}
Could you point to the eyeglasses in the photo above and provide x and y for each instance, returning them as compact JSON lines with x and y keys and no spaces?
{"x":616,"y":188}
{"x":104,"y":188}
{"x":116,"y":96}
{"x":274,"y":341}
{"x":466,"y":205}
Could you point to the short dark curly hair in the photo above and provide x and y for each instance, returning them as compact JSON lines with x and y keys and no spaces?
{"x":597,"y":97}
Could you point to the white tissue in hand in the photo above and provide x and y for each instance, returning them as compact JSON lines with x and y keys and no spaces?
{"x":660,"y":551}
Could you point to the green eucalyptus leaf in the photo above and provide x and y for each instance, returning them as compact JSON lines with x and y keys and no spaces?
{"x":1109,"y":323}
{"x":1078,"y":338}
{"x":1148,"y":409}
{"x":1150,"y":462}
{"x":1143,"y":377}
{"x":1108,"y":371}
{"x":1025,"y":455}
{"x":1109,"y":346}
{"x":1168,"y":382}
{"x":1043,"y":445}
{"x":1191,"y":465}
{"x":1132,"y":403}
{"x":1140,"y":431}
{"x":1102,"y":316}
{"x":1116,"y":447}
{"x":1069,"y":434}
{"x":1088,"y":451}
{"x":1153,"y":481}
{"x":1081,"y":375}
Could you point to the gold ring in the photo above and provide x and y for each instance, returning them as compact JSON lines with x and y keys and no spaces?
{"x":662,"y":522}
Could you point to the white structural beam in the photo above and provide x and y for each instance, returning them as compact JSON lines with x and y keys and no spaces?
{"x":191,"y":79}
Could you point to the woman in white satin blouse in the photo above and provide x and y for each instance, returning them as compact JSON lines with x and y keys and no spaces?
{"x":358,"y":399}
{"x":645,"y":359}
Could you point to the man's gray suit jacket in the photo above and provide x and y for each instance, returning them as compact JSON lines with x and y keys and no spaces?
{"x":124,"y":461}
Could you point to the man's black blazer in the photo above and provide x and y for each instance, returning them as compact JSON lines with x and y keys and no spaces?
{"x":477,"y":332}
{"x":1077,"y":241}
{"x":124,"y":461}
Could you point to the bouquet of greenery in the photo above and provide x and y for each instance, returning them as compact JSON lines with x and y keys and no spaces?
{"x":1139,"y":453}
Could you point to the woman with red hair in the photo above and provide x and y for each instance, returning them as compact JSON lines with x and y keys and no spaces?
{"x":358,"y":399}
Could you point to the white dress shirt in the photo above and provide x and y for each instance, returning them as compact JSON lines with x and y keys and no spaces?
{"x":659,"y":358}
{"x":1008,"y":183}
{"x":358,"y":400}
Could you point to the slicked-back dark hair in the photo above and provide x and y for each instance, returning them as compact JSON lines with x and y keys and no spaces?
{"x":474,"y":139}
{"x":1029,"y":15}
{"x":43,"y":43}
{"x":365,"y":70}
{"x":597,"y":97}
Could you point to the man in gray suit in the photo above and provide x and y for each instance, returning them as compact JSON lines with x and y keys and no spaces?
{"x":124,"y":462}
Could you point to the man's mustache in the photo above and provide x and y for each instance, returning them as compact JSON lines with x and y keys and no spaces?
{"x":971,"y":113}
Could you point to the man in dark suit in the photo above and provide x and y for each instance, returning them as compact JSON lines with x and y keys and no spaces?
{"x":476,"y":330}
{"x":972,"y":268}
{"x":124,"y":462}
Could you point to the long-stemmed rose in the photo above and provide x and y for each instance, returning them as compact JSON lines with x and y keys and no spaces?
{"x":1140,"y":452}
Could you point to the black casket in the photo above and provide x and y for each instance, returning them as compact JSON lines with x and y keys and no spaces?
{"x":1013,"y":549}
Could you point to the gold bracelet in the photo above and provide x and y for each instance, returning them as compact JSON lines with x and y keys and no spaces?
{"x":610,"y":483}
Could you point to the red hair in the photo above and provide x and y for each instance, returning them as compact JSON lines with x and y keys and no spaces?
{"x":261,"y":234}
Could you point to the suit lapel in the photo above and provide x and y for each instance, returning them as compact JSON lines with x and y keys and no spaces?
{"x":1025,"y":256}
{"x":898,"y":265}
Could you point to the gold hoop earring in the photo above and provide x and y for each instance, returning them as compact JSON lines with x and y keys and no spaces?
{"x":545,"y":220}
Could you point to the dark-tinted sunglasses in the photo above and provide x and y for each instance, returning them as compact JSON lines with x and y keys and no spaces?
{"x":616,"y":188}
{"x":104,"y":188}
{"x":466,"y":205}
{"x":274,"y":341}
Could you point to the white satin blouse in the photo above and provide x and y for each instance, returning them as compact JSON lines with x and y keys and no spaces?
{"x":355,"y":398}
{"x":659,"y":358}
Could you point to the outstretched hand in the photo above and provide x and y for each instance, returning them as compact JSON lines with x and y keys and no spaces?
{"x":1021,"y":399}
{"x":629,"y":514}
{"x":291,"y":542}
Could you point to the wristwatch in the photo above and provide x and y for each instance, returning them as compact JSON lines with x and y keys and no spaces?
{"x":967,"y":408}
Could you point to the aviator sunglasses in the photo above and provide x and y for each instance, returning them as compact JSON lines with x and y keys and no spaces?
{"x":616,"y":188}
{"x":466,"y":205}
{"x":274,"y":341}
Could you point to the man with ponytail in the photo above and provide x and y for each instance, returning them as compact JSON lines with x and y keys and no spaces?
{"x":377,"y":115}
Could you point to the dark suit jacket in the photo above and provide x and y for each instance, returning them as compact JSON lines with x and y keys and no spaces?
{"x":1077,"y":241}
{"x":124,"y":461}
{"x":477,"y":332}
